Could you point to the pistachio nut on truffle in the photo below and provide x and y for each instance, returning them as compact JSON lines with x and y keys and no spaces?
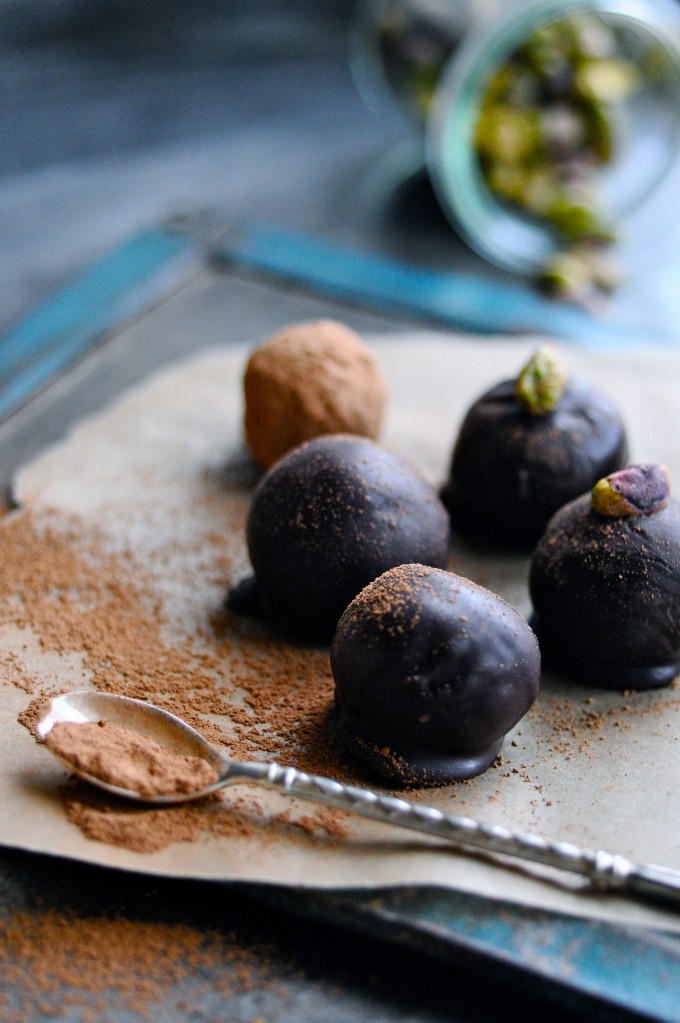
{"x":541,"y":382}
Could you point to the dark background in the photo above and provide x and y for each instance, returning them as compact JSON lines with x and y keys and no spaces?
{"x":116,"y":114}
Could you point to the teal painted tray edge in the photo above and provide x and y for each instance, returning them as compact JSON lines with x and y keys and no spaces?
{"x":607,"y":971}
{"x":123,"y":283}
{"x":456,"y":300}
{"x":126,"y":281}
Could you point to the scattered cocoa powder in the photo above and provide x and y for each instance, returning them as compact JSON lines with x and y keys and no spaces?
{"x":121,"y":757}
{"x":241,"y":687}
{"x":146,"y":830}
{"x":322,"y":822}
{"x":131,"y":962}
{"x":570,"y":727}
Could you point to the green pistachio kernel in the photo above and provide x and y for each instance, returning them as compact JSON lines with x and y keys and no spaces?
{"x":578,"y":271}
{"x":608,"y":80}
{"x":507,"y":134}
{"x":549,"y":122}
{"x":577,"y":218}
{"x":568,"y":274}
{"x":541,"y":382}
{"x":635,"y":490}
{"x":599,"y":127}
{"x":540,"y":187}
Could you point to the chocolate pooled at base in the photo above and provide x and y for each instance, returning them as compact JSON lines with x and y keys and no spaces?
{"x":605,"y":584}
{"x":431,"y":671}
{"x":327,"y":519}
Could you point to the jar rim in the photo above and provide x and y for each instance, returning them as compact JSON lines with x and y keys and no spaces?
{"x":500,"y":234}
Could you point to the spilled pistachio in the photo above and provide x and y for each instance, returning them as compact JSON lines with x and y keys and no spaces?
{"x":567,"y":275}
{"x":549,"y":122}
{"x":579,"y":272}
{"x":541,"y":382}
{"x":635,"y":490}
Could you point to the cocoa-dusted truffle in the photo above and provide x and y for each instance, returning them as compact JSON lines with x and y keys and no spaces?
{"x":431,"y":671}
{"x":308,"y":380}
{"x":327,"y":519}
{"x":525,"y":448}
{"x":605,"y":583}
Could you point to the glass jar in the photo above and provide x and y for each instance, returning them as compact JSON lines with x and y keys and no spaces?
{"x":440,"y":58}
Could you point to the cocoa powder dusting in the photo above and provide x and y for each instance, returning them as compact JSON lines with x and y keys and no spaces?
{"x":308,"y":380}
{"x":144,"y":830}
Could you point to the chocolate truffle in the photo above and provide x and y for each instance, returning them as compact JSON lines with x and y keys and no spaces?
{"x":309,"y":380}
{"x":431,"y":671}
{"x":525,"y":448}
{"x":605,"y":583}
{"x":327,"y":519}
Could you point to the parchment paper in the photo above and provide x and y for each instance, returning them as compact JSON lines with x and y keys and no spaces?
{"x":138,"y":475}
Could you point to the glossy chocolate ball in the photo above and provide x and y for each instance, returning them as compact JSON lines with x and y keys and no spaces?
{"x":327,"y":519}
{"x":605,"y":585}
{"x":431,"y":671}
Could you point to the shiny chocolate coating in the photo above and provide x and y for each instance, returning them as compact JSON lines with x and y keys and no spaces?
{"x":327,"y":519}
{"x":606,"y":596}
{"x":511,"y":470}
{"x":431,"y":671}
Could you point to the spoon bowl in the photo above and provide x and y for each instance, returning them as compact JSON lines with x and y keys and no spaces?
{"x":144,"y":719}
{"x":606,"y":871}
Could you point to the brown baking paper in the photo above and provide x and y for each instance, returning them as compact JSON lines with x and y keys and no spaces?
{"x":160,"y":479}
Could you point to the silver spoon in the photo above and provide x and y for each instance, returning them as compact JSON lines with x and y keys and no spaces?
{"x":607,"y":871}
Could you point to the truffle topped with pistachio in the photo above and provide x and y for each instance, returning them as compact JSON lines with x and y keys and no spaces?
{"x":605,"y":583}
{"x":525,"y":448}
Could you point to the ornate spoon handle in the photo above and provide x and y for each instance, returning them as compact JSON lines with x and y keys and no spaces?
{"x":607,"y":871}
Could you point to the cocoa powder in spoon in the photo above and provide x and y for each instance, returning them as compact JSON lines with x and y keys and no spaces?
{"x":122,"y":757}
